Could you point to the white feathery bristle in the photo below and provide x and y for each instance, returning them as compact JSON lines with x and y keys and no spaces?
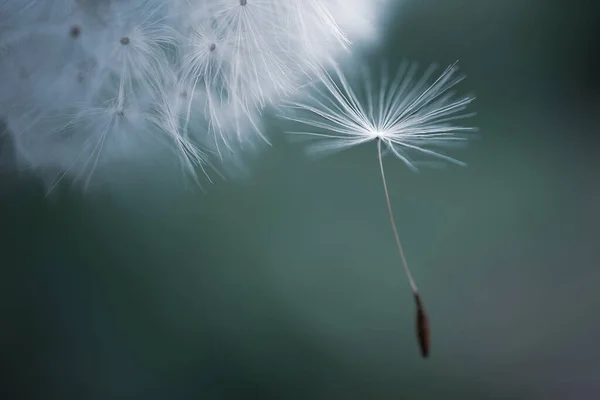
{"x":411,"y":116}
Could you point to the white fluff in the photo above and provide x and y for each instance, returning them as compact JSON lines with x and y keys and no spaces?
{"x":412,"y":117}
{"x":86,"y":83}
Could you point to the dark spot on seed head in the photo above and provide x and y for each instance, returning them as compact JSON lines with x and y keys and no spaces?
{"x":212,"y":47}
{"x":75,"y":31}
{"x":243,"y":2}
{"x":124,"y":40}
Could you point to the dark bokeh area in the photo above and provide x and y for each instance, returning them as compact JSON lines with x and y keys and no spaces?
{"x":287,"y":285}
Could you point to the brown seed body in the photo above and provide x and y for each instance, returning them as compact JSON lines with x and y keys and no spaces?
{"x":75,"y":31}
{"x":422,"y":328}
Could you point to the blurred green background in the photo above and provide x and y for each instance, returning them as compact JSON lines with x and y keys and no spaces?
{"x":287,"y":285}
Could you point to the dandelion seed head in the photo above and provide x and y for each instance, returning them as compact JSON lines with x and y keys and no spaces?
{"x":88,"y":82}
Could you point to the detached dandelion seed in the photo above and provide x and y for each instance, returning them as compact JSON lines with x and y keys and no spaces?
{"x":409,"y":117}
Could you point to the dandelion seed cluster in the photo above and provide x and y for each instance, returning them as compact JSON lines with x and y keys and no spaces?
{"x":89,"y":83}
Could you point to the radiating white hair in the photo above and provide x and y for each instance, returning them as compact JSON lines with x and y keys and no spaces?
{"x":412,"y":117}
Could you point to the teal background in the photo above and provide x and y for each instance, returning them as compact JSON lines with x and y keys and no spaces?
{"x":287,"y":284}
